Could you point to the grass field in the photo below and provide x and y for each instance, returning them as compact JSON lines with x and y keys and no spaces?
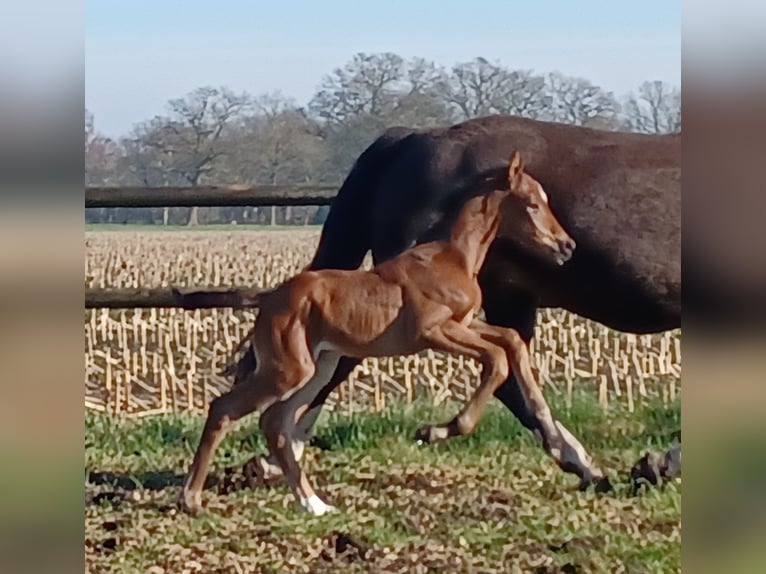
{"x":491,"y":502}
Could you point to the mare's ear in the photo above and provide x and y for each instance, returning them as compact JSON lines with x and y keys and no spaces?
{"x":515,"y":169}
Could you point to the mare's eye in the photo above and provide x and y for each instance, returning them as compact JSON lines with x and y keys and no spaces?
{"x":533,"y":207}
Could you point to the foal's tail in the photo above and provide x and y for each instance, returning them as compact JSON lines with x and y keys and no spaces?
{"x":245,"y":364}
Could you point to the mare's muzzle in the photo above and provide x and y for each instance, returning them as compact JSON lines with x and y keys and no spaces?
{"x":566,"y":249}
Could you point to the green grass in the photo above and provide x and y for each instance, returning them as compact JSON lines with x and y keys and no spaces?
{"x":211,"y":227}
{"x":491,"y":501}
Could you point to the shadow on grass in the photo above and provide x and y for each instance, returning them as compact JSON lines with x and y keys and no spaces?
{"x":150,"y":480}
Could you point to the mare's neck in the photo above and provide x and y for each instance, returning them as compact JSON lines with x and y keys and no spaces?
{"x":476,"y":228}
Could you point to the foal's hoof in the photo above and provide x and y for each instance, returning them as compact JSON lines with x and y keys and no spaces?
{"x":259,"y":472}
{"x":189,"y":503}
{"x":317,"y":506}
{"x":431,"y":434}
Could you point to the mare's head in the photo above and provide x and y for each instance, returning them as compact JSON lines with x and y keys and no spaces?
{"x":527,"y":220}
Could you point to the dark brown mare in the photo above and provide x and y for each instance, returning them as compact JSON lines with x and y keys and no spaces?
{"x":617,"y":194}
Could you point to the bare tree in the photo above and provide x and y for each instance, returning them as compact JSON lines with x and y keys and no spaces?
{"x":279,"y":144}
{"x":190,"y":139}
{"x":364,"y":86}
{"x":578,"y":101}
{"x":655,"y":109}
{"x":370,"y":93}
{"x":418,"y":110}
{"x":479,"y":88}
{"x":103,"y":159}
{"x":101,"y":155}
{"x":423,"y":76}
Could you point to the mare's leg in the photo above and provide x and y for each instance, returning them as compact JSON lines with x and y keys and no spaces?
{"x":268,"y":466}
{"x":222,"y":413}
{"x":278,"y":425}
{"x":507,"y":307}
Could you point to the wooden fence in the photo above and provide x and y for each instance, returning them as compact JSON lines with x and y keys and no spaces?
{"x":200,"y":196}
{"x":209,"y":196}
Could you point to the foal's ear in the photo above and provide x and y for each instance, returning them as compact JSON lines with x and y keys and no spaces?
{"x":515,"y":168}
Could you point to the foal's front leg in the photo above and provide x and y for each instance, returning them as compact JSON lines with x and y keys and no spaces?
{"x":563,"y":447}
{"x":560,"y":444}
{"x":456,"y":338}
{"x":518,"y":359}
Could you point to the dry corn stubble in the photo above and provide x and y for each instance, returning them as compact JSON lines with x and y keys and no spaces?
{"x":146,"y":361}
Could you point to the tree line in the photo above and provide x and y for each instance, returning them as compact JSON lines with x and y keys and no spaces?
{"x":216,"y":136}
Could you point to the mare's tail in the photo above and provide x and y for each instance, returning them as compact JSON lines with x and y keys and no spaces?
{"x":345,"y":237}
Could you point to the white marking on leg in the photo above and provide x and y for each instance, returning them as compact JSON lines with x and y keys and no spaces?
{"x":269,"y":467}
{"x":316,"y":505}
{"x":574,"y":453}
{"x":565,"y":449}
{"x":325,"y":367}
{"x":298,"y":447}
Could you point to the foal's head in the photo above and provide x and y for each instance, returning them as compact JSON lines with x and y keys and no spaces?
{"x":527,"y":219}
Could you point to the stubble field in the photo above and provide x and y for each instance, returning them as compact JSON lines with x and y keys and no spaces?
{"x":486,"y":503}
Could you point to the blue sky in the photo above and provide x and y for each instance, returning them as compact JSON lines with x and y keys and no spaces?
{"x":140,"y":53}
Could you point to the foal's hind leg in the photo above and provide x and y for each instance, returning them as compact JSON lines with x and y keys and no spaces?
{"x":279,"y":425}
{"x":267,"y":465}
{"x":222,"y":413}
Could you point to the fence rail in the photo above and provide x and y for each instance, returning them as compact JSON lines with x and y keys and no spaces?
{"x":200,"y":196}
{"x":167,"y":297}
{"x":210,"y":196}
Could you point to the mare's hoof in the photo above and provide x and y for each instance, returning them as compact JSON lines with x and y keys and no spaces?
{"x":645,"y":472}
{"x":654,"y":470}
{"x":424,"y":435}
{"x":599,"y":484}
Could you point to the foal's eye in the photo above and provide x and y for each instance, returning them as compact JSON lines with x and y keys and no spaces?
{"x":533,"y":207}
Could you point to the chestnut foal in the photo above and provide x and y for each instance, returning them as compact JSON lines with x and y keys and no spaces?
{"x":425,"y":298}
